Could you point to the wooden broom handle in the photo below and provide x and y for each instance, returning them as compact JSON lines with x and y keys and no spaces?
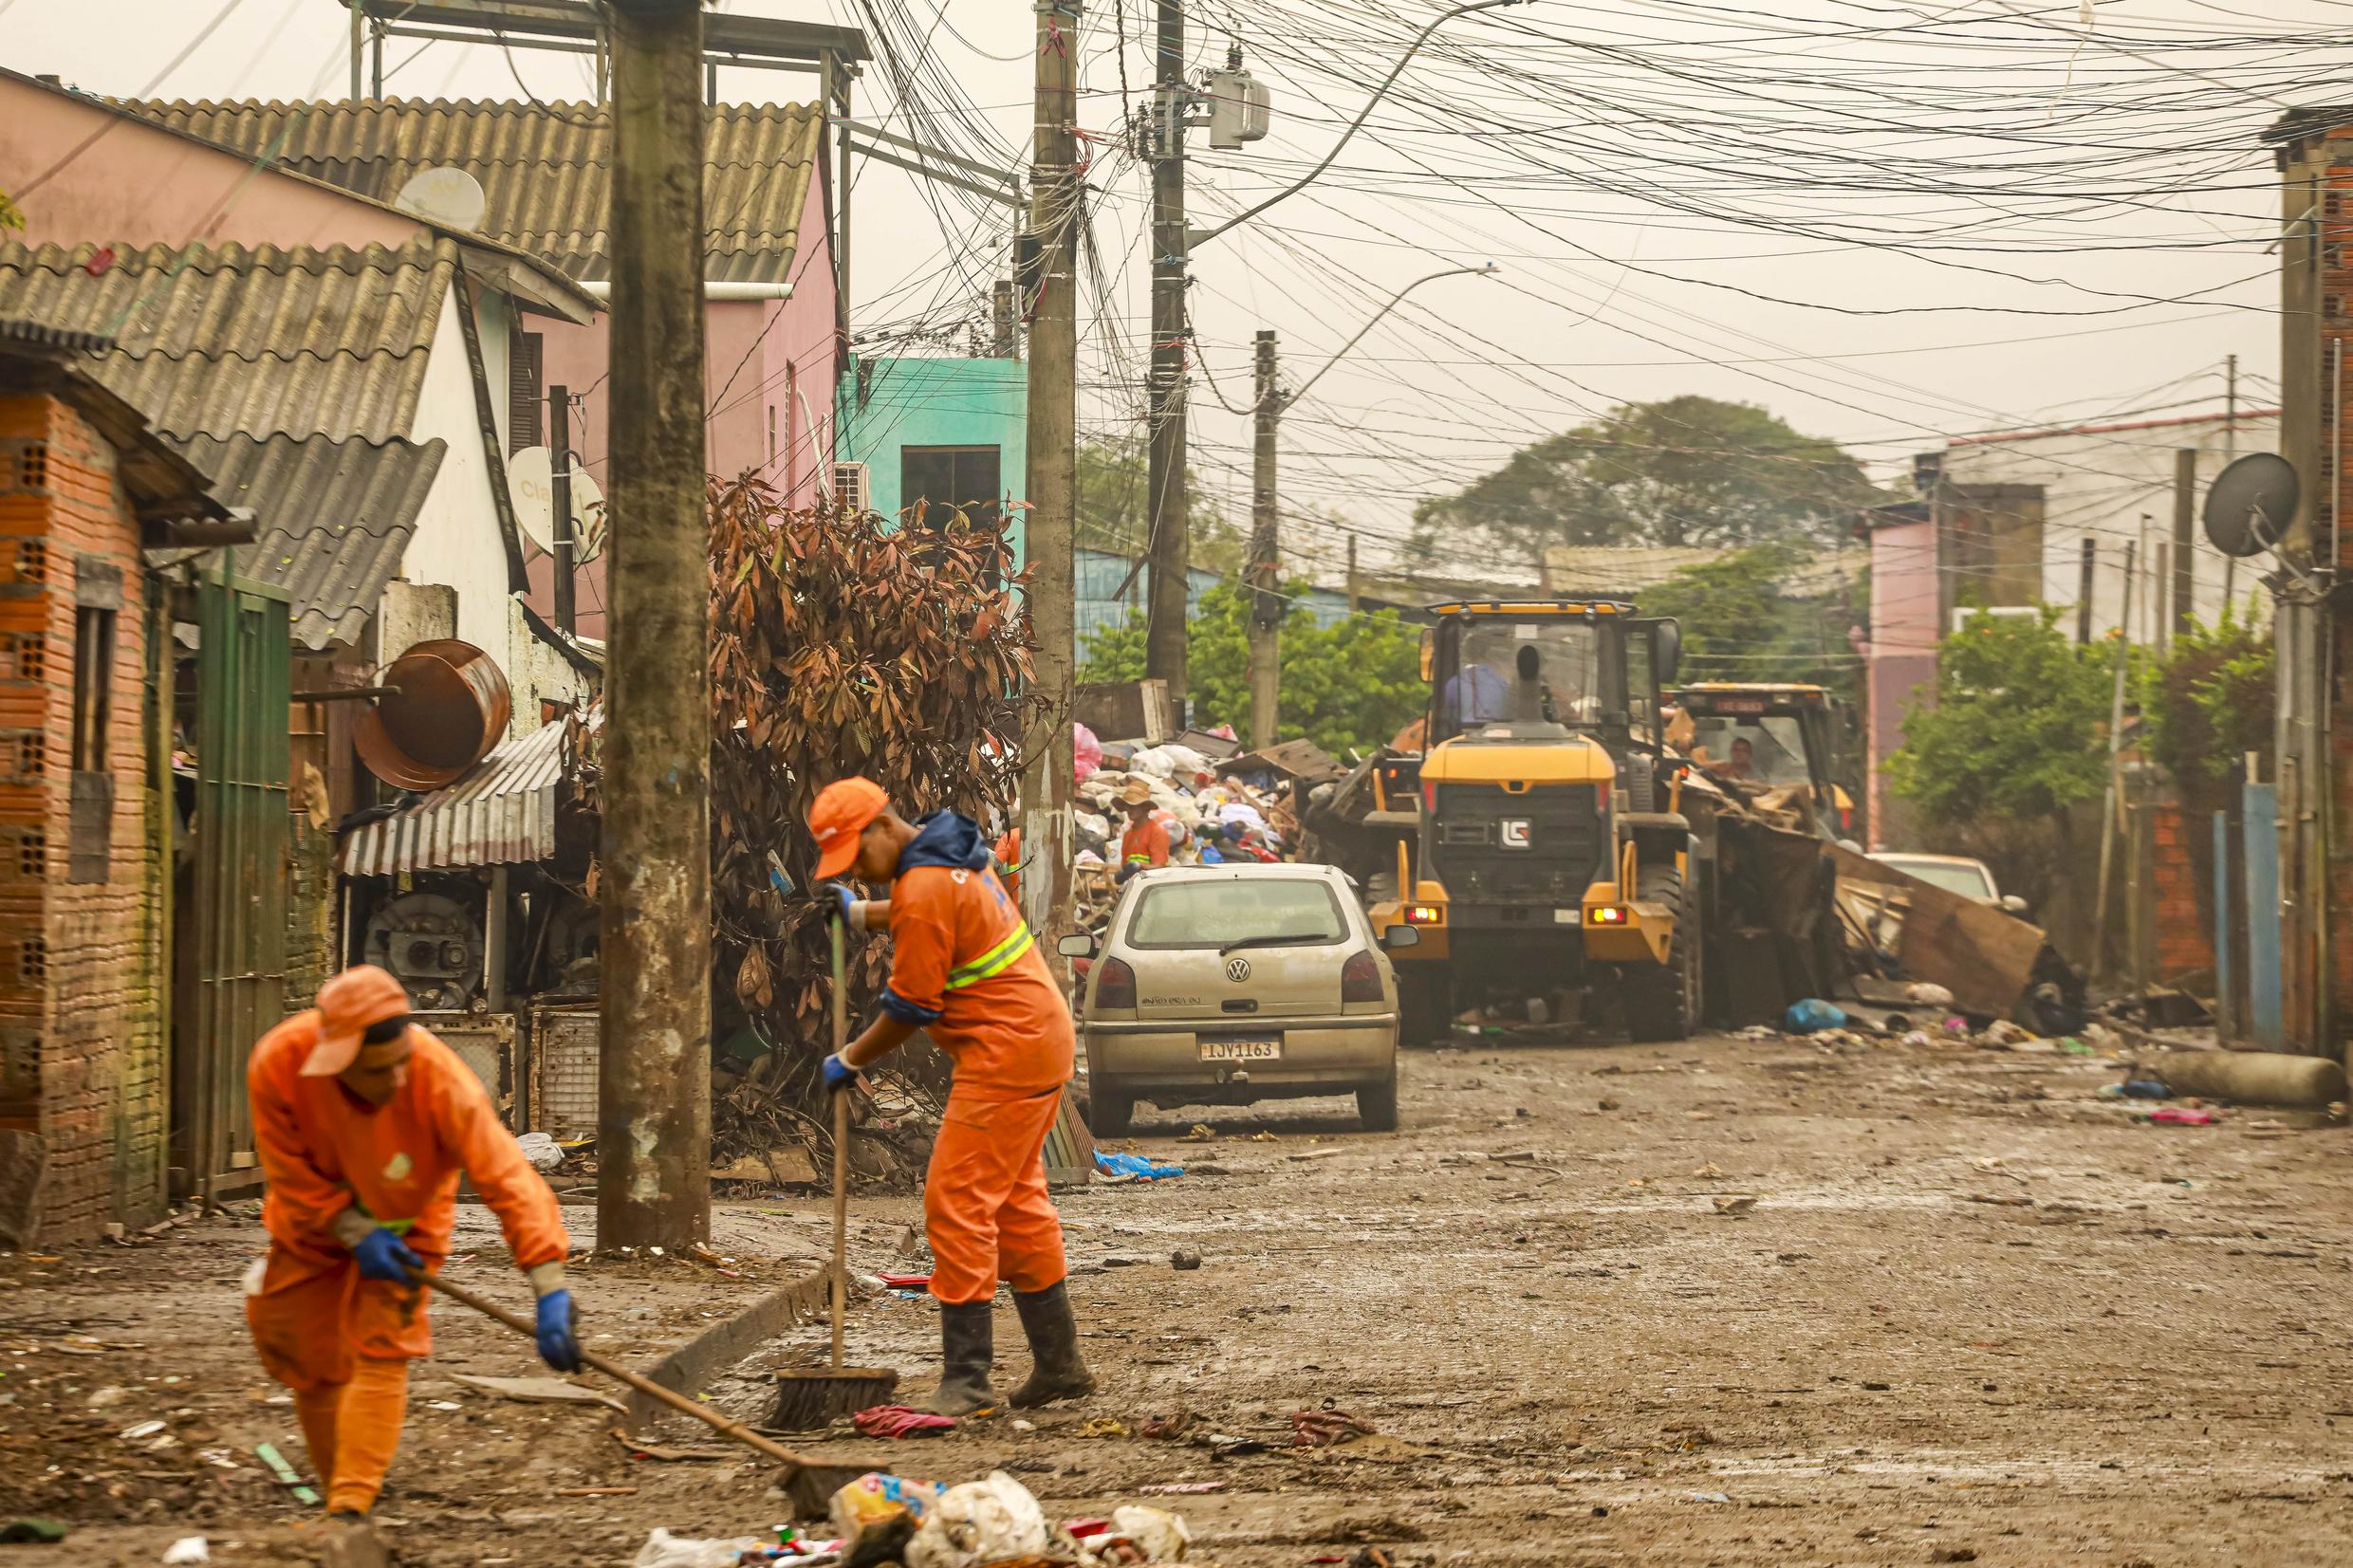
{"x":841,"y":1148}
{"x":646,"y":1386}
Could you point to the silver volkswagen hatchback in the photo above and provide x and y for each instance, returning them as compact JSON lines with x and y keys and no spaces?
{"x":1227,"y":985}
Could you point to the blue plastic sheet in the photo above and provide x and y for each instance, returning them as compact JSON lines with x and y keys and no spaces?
{"x":1806,"y":1017}
{"x":1135,"y":1168}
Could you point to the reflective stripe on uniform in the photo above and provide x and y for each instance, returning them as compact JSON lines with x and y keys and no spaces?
{"x":996,"y":961}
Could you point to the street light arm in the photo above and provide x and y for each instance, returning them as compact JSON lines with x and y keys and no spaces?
{"x":1395,"y":300}
{"x":1363,"y":114}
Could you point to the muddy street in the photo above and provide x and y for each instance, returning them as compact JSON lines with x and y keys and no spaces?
{"x":1972,"y":1314}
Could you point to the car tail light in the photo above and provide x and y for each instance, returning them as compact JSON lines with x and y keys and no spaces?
{"x":1423,"y":915}
{"x":1430,"y":796}
{"x":1359,"y":978}
{"x":1846,"y":819}
{"x":1115,"y":986}
{"x":1601,"y":798}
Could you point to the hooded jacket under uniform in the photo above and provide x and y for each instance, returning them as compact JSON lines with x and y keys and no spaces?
{"x":966,"y":970}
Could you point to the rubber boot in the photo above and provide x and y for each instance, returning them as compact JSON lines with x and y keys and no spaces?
{"x":1058,"y":1372}
{"x":967,"y":1346}
{"x":352,"y":1542}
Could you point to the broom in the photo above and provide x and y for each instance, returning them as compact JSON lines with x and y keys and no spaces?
{"x":807,"y":1400}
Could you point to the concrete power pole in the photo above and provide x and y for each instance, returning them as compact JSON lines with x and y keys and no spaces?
{"x":1266,"y":557}
{"x":1166,"y":544}
{"x":560,"y":509}
{"x":1053,"y":461}
{"x":654,"y":1073}
{"x":2185,"y":535}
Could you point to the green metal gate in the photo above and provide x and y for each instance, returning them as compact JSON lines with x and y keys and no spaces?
{"x":244,"y":685}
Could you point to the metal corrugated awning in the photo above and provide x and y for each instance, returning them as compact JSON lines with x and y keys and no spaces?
{"x":503,"y":812}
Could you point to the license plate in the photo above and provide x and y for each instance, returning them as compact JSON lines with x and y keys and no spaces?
{"x":1241,"y":1050}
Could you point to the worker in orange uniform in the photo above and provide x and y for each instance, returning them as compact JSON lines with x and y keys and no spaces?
{"x":363,"y":1122}
{"x":1146,"y":842}
{"x":965,"y":969}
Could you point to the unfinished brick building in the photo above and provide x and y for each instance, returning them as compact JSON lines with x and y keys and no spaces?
{"x":85,"y":490}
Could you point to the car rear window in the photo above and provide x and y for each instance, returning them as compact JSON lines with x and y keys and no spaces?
{"x":1967,"y":880}
{"x":1210,"y":914}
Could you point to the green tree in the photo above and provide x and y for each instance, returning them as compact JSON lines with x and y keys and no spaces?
{"x":2211,"y":700}
{"x":1738,"y":625}
{"x":1114,"y":516}
{"x":1687,"y":470}
{"x":2018,"y":729}
{"x":1350,"y":685}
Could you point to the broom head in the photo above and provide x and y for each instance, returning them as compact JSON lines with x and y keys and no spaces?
{"x":810,"y":1399}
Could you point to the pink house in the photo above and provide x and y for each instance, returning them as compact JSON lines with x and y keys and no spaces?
{"x":543,"y":171}
{"x":1900,"y":656}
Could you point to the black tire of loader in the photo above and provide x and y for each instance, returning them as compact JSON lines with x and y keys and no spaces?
{"x":1425,"y":1008}
{"x":1662,"y":1000}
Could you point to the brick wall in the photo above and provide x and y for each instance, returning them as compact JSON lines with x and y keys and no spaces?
{"x":80,"y":953}
{"x":2184,"y":939}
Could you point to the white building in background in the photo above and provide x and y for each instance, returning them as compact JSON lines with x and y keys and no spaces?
{"x":2014,"y":509}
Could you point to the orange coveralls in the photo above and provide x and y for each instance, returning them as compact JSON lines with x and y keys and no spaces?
{"x":969,"y":970}
{"x":340,"y":1342}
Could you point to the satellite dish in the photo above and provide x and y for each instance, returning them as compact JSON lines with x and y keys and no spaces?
{"x":450,"y":197}
{"x":530,"y":485}
{"x":2250,"y":503}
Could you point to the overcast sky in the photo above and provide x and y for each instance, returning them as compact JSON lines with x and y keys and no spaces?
{"x":1684,"y":196}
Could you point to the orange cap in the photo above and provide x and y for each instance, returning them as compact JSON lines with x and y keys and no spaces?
{"x":348,"y":1005}
{"x":842,"y":812}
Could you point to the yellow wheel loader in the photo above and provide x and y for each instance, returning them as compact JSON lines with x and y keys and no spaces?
{"x":1539,"y":845}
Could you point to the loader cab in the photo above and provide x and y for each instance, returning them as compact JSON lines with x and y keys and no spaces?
{"x":1517,"y":673}
{"x":1774,"y":736}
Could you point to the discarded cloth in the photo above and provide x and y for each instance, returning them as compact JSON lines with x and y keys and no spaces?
{"x":1325,"y":1428}
{"x":1135,"y":1168}
{"x":896,"y":1421}
{"x":664,"y":1550}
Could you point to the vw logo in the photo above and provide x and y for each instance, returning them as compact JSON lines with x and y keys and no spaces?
{"x":1238,"y":969}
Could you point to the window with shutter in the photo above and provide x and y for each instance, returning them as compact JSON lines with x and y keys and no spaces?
{"x":526,"y":390}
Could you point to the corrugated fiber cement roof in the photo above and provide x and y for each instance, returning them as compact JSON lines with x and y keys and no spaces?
{"x":544,"y":168}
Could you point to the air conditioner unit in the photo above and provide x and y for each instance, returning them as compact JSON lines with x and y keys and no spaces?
{"x":853,"y":488}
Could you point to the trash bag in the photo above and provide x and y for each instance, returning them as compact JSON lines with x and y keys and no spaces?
{"x":1163,"y":1537}
{"x":664,"y":1550}
{"x":543,"y":1152}
{"x":1811,"y":1015}
{"x":1085,"y":750}
{"x":981,"y":1522}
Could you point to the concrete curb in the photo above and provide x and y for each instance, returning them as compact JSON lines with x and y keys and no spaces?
{"x":720,"y":1346}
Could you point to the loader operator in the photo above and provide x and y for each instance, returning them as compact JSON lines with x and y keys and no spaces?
{"x":966,"y":970}
{"x":362,"y":1122}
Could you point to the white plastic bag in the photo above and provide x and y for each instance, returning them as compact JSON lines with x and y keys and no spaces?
{"x":1163,"y":1537}
{"x":979,"y":1523}
{"x":543,"y":1151}
{"x":664,"y":1550}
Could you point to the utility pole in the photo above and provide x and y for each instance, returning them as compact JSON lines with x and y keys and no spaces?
{"x":1167,"y":546}
{"x":2083,"y":591}
{"x":1356,"y":586}
{"x":654,"y":1069}
{"x":1053,"y":461}
{"x":1264,"y":575}
{"x":2185,"y":535}
{"x":2112,"y":803}
{"x":2230,"y":455}
{"x":1166,"y":541}
{"x":559,"y":508}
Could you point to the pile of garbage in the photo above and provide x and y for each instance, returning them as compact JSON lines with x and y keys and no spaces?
{"x":1210,"y":816}
{"x":883,"y":1519}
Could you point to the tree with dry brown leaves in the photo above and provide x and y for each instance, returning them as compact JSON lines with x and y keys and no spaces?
{"x":840,"y":644}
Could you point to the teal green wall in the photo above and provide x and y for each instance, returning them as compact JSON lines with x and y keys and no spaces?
{"x":936,"y":403}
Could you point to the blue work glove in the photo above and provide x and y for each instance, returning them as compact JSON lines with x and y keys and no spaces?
{"x":382,"y":1255}
{"x":841,"y":900}
{"x":559,"y":1331}
{"x":838,"y":1074}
